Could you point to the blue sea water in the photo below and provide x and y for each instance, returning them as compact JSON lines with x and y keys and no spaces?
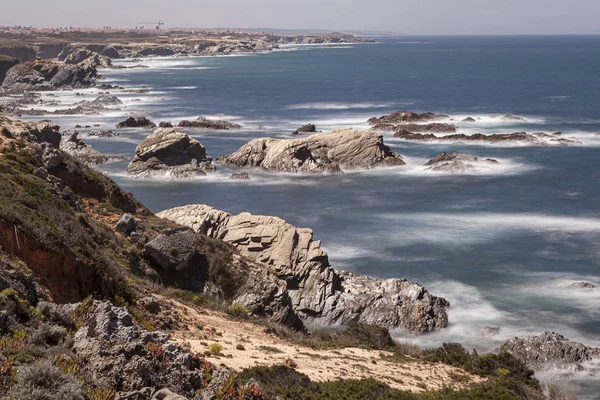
{"x":503,"y":246}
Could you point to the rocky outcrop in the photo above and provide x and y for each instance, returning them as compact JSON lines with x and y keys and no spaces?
{"x":6,"y":63}
{"x":433,"y":127}
{"x":38,"y":132}
{"x":49,"y":75}
{"x":536,"y":139}
{"x":317,"y":291}
{"x":205,"y":123}
{"x":308,"y":128}
{"x":84,"y":107}
{"x":549,"y":350}
{"x":167,"y":151}
{"x":469,"y":119}
{"x":22,"y":53}
{"x":83,"y":55}
{"x":456,"y":162}
{"x":84,"y":152}
{"x":404,"y":117}
{"x":136,"y":122}
{"x":327,"y":152}
{"x":513,"y":118}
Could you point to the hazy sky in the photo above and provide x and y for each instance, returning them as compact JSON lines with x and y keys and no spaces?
{"x":406,"y":16}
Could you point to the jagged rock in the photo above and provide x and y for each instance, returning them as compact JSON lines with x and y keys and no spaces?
{"x":166,"y":394}
{"x":116,"y":352}
{"x":39,"y":132}
{"x":316,"y":290}
{"x":84,"y":152}
{"x":81,"y":55}
{"x":539,"y":139}
{"x":240,"y":176}
{"x":106,"y":86}
{"x":213,"y":388}
{"x":309,"y":128}
{"x":126,"y":224}
{"x":549,"y":350}
{"x":142,"y":394}
{"x":140,"y":122}
{"x":172,"y":152}
{"x":327,"y":152}
{"x":173,"y":254}
{"x":205,"y":123}
{"x":403,"y":117}
{"x":582,"y":285}
{"x":48,"y":75}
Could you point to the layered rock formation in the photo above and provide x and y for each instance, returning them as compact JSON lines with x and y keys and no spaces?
{"x":205,"y":123}
{"x":49,"y":75}
{"x":534,"y":139}
{"x":83,"y":151}
{"x":318,"y":292}
{"x":38,"y":132}
{"x":167,"y":151}
{"x":549,"y":350}
{"x":327,"y":152}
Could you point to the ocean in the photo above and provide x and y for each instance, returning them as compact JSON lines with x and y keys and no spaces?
{"x":503,"y":245}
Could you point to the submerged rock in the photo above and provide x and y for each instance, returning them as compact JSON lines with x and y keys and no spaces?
{"x":456,"y":162}
{"x":206,"y":123}
{"x":326,"y":152}
{"x":513,"y":118}
{"x":140,"y":122}
{"x":240,"y":176}
{"x":317,"y":291}
{"x":582,"y":285}
{"x":469,"y":119}
{"x":103,"y":134}
{"x":171,"y":152}
{"x":549,"y":350}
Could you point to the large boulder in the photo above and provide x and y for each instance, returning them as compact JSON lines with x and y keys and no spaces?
{"x":167,"y":151}
{"x":173,"y":254}
{"x":205,"y":123}
{"x":38,"y":132}
{"x":325,"y":152}
{"x":49,"y":75}
{"x":549,"y":350}
{"x":318,"y":293}
{"x":308,"y":128}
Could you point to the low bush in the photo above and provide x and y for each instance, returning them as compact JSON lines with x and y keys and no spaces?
{"x":237,"y":310}
{"x":44,"y":381}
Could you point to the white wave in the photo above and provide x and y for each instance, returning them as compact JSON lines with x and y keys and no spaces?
{"x":339,"y":106}
{"x":184,"y":87}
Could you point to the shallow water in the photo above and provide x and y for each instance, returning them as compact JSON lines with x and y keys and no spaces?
{"x":501,"y":245}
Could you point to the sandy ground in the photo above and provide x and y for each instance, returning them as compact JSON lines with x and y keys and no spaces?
{"x":246,"y":345}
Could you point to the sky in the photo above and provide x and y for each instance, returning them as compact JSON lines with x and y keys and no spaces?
{"x":418,"y":17}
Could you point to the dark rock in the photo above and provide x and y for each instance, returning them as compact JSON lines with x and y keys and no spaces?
{"x":173,"y":254}
{"x":454,"y":162}
{"x":140,"y":122}
{"x":205,"y":123}
{"x":163,"y":124}
{"x":105,"y":86}
{"x":126,"y":224}
{"x":103,"y":134}
{"x":309,"y":128}
{"x":491,"y":330}
{"x":540,"y":139}
{"x":240,"y":176}
{"x":509,"y":117}
{"x":403,"y":117}
{"x":168,"y":151}
{"x":6,"y":63}
{"x":469,"y":119}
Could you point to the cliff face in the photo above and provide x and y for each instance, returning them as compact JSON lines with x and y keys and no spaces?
{"x":6,"y":63}
{"x":20,"y":52}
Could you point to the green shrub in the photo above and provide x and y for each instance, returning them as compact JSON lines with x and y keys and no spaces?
{"x":215,"y":349}
{"x":237,"y":310}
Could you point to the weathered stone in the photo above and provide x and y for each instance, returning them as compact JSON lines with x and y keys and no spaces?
{"x":206,"y":123}
{"x":126,"y":224}
{"x":549,"y":350}
{"x":48,"y":75}
{"x":169,"y":152}
{"x":39,"y":132}
{"x":140,"y":122}
{"x":240,"y":176}
{"x":82,"y":151}
{"x":317,"y":292}
{"x":326,"y":152}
